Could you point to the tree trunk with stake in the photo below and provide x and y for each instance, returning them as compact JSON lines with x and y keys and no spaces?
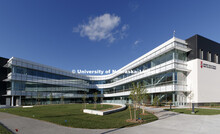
{"x":137,"y":95}
{"x":95,"y":97}
{"x":130,"y":111}
{"x":84,"y":99}
{"x":51,"y":98}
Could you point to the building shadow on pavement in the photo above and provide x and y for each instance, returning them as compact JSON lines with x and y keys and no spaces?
{"x":162,"y":114}
{"x":112,"y":130}
{"x":167,"y":115}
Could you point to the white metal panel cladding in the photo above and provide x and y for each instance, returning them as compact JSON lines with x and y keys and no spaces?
{"x":203,"y":83}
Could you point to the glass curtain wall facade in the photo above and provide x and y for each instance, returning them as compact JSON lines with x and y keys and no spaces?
{"x":32,"y":86}
{"x":171,"y":77}
{"x":163,"y":72}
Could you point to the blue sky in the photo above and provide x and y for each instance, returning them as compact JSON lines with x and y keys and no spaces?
{"x":99,"y":34}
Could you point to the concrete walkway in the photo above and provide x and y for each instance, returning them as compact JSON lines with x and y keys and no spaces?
{"x":160,"y":113}
{"x":174,"y":123}
{"x":168,"y":123}
{"x":33,"y":126}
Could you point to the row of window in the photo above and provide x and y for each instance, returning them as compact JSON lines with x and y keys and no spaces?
{"x":31,"y":86}
{"x":156,"y":80}
{"x":209,"y":56}
{"x":27,"y":71}
{"x":174,"y":54}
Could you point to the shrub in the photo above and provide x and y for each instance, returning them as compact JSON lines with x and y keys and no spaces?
{"x":156,"y":101}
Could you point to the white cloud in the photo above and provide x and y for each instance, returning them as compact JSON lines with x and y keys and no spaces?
{"x":125,"y":27}
{"x":99,"y":28}
{"x":137,"y":42}
{"x":102,"y":28}
{"x":122,"y":33}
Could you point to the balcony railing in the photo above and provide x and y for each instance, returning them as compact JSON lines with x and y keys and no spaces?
{"x":32,"y":94}
{"x":162,"y":87}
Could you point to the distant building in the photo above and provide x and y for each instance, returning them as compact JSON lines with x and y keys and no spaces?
{"x":3,"y":75}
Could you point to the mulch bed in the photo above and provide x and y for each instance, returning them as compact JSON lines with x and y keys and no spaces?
{"x":134,"y":121}
{"x":144,"y":114}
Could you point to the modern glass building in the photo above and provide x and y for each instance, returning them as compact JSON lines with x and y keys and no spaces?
{"x":170,"y":72}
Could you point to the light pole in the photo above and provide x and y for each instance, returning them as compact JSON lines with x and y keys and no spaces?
{"x":193,"y":111}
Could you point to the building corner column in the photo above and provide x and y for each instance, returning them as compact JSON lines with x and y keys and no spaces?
{"x":19,"y":103}
{"x":12,"y":101}
{"x":152,"y":99}
{"x":174,"y":99}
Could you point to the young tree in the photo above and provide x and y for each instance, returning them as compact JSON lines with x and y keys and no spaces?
{"x":137,"y":95}
{"x":95,"y":98}
{"x":51,"y":98}
{"x":62,"y":99}
{"x":145,"y":99}
{"x":84,"y":99}
{"x":130,"y":111}
{"x":45,"y":99}
{"x":38,"y":98}
{"x":101,"y":101}
{"x":31,"y":99}
{"x":133,"y":97}
{"x":156,"y":101}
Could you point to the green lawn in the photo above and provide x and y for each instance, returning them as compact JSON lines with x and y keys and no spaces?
{"x":3,"y":130}
{"x":72,"y":115}
{"x":197,"y":111}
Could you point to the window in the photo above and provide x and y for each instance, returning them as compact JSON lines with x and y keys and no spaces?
{"x":180,"y":55}
{"x":201,"y":54}
{"x":216,"y":58}
{"x":209,"y":56}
